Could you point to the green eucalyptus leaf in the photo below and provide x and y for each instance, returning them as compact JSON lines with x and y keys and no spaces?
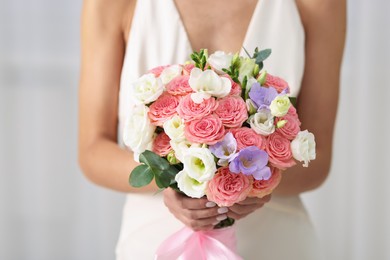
{"x":167,"y":177}
{"x":162,"y":181}
{"x":262,"y":55}
{"x":141,"y":176}
{"x":153,"y":161}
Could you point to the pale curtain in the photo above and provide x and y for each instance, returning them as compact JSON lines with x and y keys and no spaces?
{"x":49,"y":211}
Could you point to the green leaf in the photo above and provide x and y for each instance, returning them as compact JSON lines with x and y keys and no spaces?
{"x":293,"y":101}
{"x":262,"y":55}
{"x":153,"y":161}
{"x":141,"y":176}
{"x":167,"y":177}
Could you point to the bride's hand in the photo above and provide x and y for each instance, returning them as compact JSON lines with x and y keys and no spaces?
{"x":246,"y":207}
{"x":198,"y":214}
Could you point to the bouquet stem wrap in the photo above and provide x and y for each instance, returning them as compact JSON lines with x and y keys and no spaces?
{"x":186,"y":244}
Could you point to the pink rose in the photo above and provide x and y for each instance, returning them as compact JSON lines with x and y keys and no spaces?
{"x":279,"y":151}
{"x":157,"y":70}
{"x":291,"y":128}
{"x":232,"y":111}
{"x":179,"y":86}
{"x":236,"y":88}
{"x":189,"y":110}
{"x":187,"y":69}
{"x":247,"y":137}
{"x":227,"y":188}
{"x":163,"y":109}
{"x":161,"y":144}
{"x":292,"y":111}
{"x":208,"y":130}
{"x":278,"y":83}
{"x":265,"y":187}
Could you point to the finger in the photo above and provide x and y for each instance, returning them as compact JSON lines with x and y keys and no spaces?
{"x":255,"y":200}
{"x":191,"y":203}
{"x":244,"y":209}
{"x":204,"y":223}
{"x":236,"y":216}
{"x":205,"y":213}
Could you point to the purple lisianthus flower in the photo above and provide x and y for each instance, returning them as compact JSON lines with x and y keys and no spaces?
{"x":251,"y":161}
{"x":225,"y":149}
{"x":262,"y":96}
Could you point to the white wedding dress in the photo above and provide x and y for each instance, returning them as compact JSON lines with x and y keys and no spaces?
{"x":279,"y":230}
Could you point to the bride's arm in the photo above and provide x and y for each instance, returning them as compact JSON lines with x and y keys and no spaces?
{"x":104,"y":28}
{"x":325,"y":26}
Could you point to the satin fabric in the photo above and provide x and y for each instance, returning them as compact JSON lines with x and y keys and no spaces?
{"x":186,"y":244}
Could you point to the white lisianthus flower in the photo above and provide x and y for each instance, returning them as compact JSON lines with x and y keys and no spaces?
{"x":199,"y":164}
{"x":220,"y":60}
{"x":138,"y":131}
{"x":247,"y":68}
{"x":304,"y":147}
{"x":190,"y":186}
{"x":170,"y":73}
{"x":206,"y":84}
{"x":262,"y":122}
{"x":280,"y":105}
{"x":146,"y":89}
{"x":181,"y":148}
{"x":174,"y":128}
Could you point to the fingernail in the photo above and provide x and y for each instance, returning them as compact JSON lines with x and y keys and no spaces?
{"x":215,"y":223}
{"x":221,"y":217}
{"x":210,"y":204}
{"x":222,"y":210}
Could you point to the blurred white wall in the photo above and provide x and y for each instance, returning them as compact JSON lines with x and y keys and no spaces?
{"x":352,"y":209}
{"x":49,"y":211}
{"x":47,"y":208}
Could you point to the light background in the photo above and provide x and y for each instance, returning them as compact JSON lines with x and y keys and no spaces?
{"x":49,"y":211}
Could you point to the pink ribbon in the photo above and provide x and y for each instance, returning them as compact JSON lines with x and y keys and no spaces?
{"x":186,"y":244}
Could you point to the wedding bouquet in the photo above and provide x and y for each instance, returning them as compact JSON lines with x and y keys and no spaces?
{"x":218,"y":126}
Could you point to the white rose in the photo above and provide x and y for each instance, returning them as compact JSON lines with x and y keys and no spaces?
{"x":304,"y":147}
{"x":262,"y":122}
{"x":180,"y":148}
{"x":280,"y":105}
{"x":199,"y":164}
{"x":247,"y":68}
{"x":174,"y":128}
{"x":190,"y":186}
{"x":146,"y":89}
{"x":206,"y":84}
{"x":220,"y":60}
{"x":170,"y":73}
{"x":138,"y":131}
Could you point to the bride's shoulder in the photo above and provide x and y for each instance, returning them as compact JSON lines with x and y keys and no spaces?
{"x":109,"y":15}
{"x":315,"y":12}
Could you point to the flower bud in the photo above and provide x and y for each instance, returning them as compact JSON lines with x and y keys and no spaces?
{"x":256,"y":70}
{"x":171,"y":157}
{"x":281,"y":123}
{"x":262,"y":78}
{"x":251,"y":107}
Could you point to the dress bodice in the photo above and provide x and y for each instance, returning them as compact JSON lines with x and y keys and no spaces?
{"x":158,"y":37}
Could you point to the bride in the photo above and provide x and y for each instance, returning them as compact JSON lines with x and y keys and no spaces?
{"x":123,"y":39}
